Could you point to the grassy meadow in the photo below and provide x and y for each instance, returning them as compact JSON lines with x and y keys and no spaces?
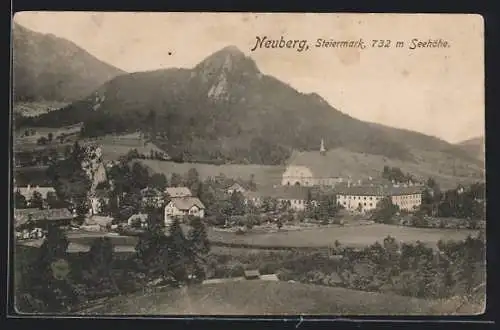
{"x":259,"y":297}
{"x":263,"y":174}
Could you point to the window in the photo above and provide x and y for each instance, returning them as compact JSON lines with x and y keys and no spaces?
{"x":364,"y":204}
{"x":364,"y":198}
{"x":371,"y":204}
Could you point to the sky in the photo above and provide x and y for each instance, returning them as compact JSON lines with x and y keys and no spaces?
{"x":435,"y":91}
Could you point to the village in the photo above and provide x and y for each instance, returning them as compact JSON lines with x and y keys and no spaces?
{"x":218,"y":178}
{"x":314,"y":193}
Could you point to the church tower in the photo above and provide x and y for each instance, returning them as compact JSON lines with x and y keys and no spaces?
{"x":322,"y":149}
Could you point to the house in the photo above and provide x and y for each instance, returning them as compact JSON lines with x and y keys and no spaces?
{"x":252,"y":274}
{"x":24,"y":218}
{"x":99,"y":222}
{"x":184,"y":206}
{"x":235,"y":187}
{"x":174,"y":192}
{"x":28,"y":192}
{"x":365,"y":197}
{"x":98,"y":201}
{"x":313,"y":168}
{"x":152,"y":196}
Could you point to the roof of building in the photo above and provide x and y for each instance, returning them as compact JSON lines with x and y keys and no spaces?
{"x":178,"y":191}
{"x":252,"y":273}
{"x":236,"y":185}
{"x":98,"y":220}
{"x":379,"y":190}
{"x":23,"y":215}
{"x":281,"y":192}
{"x":186,"y":203}
{"x":27,"y":192}
{"x":321,"y":165}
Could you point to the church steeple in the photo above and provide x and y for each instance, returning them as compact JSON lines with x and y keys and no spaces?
{"x":322,"y":149}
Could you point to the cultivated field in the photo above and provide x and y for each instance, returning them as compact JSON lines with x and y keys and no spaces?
{"x":258,"y":297}
{"x":355,"y":236}
{"x":263,"y":174}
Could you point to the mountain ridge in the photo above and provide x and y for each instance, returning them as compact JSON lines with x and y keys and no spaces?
{"x":243,"y":115}
{"x":51,"y":68}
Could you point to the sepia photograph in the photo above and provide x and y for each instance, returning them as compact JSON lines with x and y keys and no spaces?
{"x":239,"y":164}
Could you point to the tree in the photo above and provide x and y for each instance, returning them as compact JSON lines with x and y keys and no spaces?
{"x":19,"y":200}
{"x":198,"y":237}
{"x":53,"y":202}
{"x":176,"y":180}
{"x":192,"y":178}
{"x":56,"y":294}
{"x":237,"y":203}
{"x":70,"y":180}
{"x":36,"y":200}
{"x":140,"y":176}
{"x":158,"y":181}
{"x":179,"y":252}
{"x":42,"y":141}
{"x":385,"y":210}
{"x":50,"y":137}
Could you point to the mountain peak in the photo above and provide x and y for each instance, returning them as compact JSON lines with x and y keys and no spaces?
{"x":228,"y":59}
{"x":224,"y":68}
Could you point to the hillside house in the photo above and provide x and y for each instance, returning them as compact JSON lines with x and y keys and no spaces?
{"x":235,"y":187}
{"x":175,"y":192}
{"x":313,"y":168}
{"x":184,"y":206}
{"x":28,"y":219}
{"x":365,"y":197}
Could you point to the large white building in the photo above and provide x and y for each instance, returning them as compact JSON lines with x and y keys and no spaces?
{"x":365,"y":197}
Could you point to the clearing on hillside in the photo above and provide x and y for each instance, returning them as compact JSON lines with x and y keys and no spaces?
{"x":256,"y":297}
{"x":263,"y":174}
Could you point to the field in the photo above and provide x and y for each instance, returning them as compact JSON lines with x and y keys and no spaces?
{"x":258,"y":297}
{"x":115,"y":146}
{"x":31,"y":109}
{"x":263,"y":174}
{"x":354,"y":236}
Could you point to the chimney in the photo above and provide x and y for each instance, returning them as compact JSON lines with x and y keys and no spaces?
{"x":29,"y":187}
{"x":359,"y":182}
{"x":348,"y":183}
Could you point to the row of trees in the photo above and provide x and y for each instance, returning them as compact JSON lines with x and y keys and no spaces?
{"x":395,"y":174}
{"x":461,"y":202}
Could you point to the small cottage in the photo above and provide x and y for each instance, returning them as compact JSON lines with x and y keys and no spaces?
{"x":252,"y":274}
{"x":184,"y":206}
